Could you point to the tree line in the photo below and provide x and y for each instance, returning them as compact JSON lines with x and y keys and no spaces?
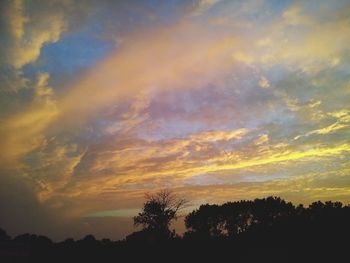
{"x":265,"y":230}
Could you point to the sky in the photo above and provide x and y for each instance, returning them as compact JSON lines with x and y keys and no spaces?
{"x":217,"y":100}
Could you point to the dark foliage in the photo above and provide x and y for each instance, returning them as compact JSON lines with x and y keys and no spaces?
{"x":159,"y":210}
{"x":262,"y":230}
{"x":233,"y":218}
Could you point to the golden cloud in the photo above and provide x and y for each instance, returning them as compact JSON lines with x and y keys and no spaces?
{"x":29,"y":36}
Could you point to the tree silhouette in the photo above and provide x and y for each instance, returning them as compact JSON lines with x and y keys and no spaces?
{"x":4,"y":236}
{"x":233,"y":218}
{"x":261,"y":230}
{"x":267,"y":210}
{"x":159,"y":210}
{"x":207,"y":221}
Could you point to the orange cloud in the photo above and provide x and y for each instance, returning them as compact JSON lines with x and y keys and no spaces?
{"x":23,"y":132}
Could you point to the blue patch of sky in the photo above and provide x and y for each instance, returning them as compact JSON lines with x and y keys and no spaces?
{"x":69,"y":56}
{"x":169,"y":10}
{"x":250,"y":10}
{"x":82,"y":48}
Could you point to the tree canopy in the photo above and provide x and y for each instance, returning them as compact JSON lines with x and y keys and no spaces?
{"x":159,"y":210}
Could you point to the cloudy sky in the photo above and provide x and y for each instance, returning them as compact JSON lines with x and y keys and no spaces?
{"x":218,"y":100}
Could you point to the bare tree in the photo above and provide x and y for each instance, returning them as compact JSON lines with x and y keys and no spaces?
{"x":159,"y":210}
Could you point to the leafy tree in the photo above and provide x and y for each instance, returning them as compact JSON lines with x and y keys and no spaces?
{"x":159,"y":210}
{"x":238,"y":216}
{"x":233,"y":218}
{"x":267,"y":210}
{"x":207,"y":221}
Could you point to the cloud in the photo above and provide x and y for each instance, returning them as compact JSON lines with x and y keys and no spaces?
{"x":318,"y":44}
{"x":303,"y":189}
{"x":264,"y":83}
{"x":28,"y":33}
{"x":182,"y":51}
{"x":262,"y":139}
{"x":293,"y":16}
{"x":33,"y":120}
{"x":219,"y":135}
{"x":145,"y":166}
{"x":54,"y":165}
{"x":202,"y":6}
{"x":16,"y":19}
{"x":342,"y":122}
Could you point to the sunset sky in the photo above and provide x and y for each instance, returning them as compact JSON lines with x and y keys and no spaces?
{"x":218,"y":100}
